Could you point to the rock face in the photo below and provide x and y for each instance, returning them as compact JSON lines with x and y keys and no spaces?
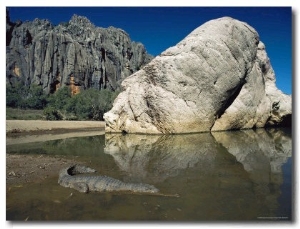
{"x":74,"y":53}
{"x":218,"y":78}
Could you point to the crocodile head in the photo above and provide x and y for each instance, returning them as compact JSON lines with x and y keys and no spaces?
{"x":146,"y":188}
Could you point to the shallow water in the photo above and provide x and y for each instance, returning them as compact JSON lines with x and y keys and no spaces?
{"x":222,"y":176}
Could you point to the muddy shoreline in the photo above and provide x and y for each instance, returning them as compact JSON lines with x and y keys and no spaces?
{"x":21,"y":169}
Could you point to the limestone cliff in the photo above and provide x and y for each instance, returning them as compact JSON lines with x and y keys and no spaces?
{"x":74,"y":53}
{"x":217,"y":78}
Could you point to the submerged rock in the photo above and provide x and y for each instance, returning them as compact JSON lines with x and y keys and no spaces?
{"x":218,"y":78}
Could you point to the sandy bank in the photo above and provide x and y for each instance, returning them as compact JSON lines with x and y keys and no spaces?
{"x":21,"y":169}
{"x":24,"y":126}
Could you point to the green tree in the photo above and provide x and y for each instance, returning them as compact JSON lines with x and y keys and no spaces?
{"x":13,"y":96}
{"x":57,"y":103}
{"x":90,"y":104}
{"x":36,"y":99}
{"x":21,"y":96}
{"x":60,"y":98}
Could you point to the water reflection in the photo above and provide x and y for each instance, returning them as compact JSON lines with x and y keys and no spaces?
{"x":238,"y":175}
{"x":257,"y":150}
{"x":162,"y":156}
{"x":260,"y":154}
{"x":157,"y":157}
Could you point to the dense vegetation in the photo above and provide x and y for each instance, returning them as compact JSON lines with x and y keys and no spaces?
{"x":90,"y":104}
{"x":24,"y":97}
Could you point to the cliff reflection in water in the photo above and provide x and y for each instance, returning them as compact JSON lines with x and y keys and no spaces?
{"x":157,"y":157}
{"x":262,"y":154}
{"x":161,"y":156}
{"x":258,"y":156}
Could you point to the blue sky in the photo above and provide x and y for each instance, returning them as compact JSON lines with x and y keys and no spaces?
{"x":161,"y":27}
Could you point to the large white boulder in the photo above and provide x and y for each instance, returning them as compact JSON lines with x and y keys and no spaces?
{"x":217,"y":78}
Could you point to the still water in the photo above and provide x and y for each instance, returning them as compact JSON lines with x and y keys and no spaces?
{"x":221,"y":176}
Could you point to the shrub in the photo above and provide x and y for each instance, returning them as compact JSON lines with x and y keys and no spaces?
{"x":20,"y":96}
{"x":90,"y":104}
{"x":15,"y":95}
{"x":36,"y":99}
{"x":60,"y":98}
{"x":52,"y":114}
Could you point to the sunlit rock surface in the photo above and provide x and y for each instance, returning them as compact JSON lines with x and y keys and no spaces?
{"x":217,"y":78}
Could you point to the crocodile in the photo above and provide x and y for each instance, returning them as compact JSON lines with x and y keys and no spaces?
{"x":69,"y":177}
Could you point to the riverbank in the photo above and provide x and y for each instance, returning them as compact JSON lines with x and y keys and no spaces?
{"x":23,"y":168}
{"x":41,"y":126}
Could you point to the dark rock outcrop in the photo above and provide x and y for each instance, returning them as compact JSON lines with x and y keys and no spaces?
{"x":74,"y":53}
